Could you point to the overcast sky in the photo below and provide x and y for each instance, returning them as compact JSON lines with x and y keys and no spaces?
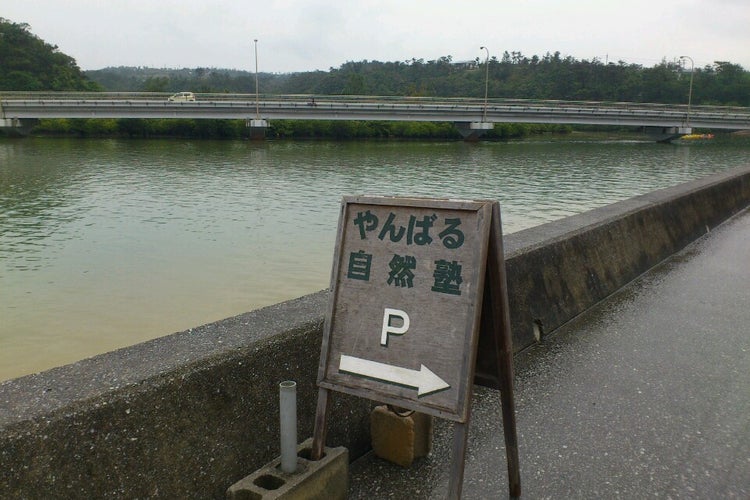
{"x":304,"y":35}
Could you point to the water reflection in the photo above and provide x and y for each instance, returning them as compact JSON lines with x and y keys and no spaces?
{"x":104,"y":243}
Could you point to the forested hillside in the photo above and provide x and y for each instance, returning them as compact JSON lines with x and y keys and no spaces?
{"x":513,"y":76}
{"x":28,"y":63}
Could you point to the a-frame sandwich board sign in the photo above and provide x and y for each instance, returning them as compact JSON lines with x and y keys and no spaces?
{"x":413,"y":281}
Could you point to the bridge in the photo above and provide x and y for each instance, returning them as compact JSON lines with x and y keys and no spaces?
{"x":472,"y":116}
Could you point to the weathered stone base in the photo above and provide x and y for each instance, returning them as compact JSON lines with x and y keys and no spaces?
{"x":324,"y":479}
{"x":399,"y":439}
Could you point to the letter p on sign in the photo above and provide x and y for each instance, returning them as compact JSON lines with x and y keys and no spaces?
{"x":395,"y":330}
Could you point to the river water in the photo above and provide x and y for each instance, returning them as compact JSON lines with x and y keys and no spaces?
{"x":106,"y":243}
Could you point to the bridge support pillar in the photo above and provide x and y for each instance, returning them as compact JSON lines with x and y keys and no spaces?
{"x":257,"y":128}
{"x":9,"y":122}
{"x":16,"y":126}
{"x":667,"y":134}
{"x":472,"y":131}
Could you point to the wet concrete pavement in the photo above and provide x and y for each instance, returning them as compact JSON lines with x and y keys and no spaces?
{"x":646,"y":395}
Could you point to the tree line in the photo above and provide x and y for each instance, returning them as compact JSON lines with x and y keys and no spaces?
{"x":512,"y":76}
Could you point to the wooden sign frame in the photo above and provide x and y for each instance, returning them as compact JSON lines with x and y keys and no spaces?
{"x":413,"y":281}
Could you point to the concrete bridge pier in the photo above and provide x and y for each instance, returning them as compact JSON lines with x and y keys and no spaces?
{"x":667,"y":134}
{"x":16,"y":125}
{"x":472,"y":131}
{"x":257,"y":128}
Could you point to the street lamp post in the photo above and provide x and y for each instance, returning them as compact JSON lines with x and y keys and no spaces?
{"x":257,"y":126}
{"x":690,"y":91}
{"x":257,"y":95}
{"x":486,"y":81}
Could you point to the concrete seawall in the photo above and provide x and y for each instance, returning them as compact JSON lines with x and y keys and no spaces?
{"x":558,"y":270}
{"x":189,"y":414}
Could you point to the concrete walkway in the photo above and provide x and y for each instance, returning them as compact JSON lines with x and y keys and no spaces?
{"x":645,"y":396}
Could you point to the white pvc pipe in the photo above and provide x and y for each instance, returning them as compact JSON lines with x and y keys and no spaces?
{"x":288,"y":425}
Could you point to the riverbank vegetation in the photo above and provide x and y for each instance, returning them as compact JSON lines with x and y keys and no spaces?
{"x":29,"y":63}
{"x":279,"y":129}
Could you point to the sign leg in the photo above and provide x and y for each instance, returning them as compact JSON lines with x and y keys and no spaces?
{"x":319,"y":431}
{"x":500,"y":321}
{"x":460,"y":444}
{"x":509,"y":426}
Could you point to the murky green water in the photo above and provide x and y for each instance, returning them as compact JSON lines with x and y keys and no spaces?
{"x":105,"y":243}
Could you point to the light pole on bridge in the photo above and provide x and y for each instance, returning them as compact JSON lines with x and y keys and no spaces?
{"x":257,"y":126}
{"x":690,"y":91}
{"x":257,"y":95}
{"x":486,"y":81}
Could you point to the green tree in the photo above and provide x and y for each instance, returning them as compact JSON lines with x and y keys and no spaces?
{"x":156,"y":84}
{"x":28,"y":63}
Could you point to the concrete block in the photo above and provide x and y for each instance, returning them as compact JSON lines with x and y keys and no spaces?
{"x":324,"y":479}
{"x":481,"y":125}
{"x":400,"y":439}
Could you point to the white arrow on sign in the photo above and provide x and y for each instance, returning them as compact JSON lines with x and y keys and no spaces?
{"x":423,"y":379}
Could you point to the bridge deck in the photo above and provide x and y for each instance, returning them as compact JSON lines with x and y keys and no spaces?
{"x":277,"y":107}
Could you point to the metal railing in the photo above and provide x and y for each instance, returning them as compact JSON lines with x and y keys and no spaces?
{"x":309,"y":106}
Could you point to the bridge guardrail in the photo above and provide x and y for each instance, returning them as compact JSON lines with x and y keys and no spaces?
{"x":322,"y":99}
{"x":30,"y":105}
